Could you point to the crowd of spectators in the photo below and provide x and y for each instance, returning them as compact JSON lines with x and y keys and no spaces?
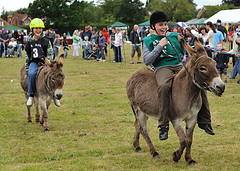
{"x":94,"y":42}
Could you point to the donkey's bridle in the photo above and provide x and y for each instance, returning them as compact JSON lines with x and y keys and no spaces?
{"x":205,"y":85}
{"x":196,"y":75}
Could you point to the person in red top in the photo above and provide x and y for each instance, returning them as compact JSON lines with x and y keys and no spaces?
{"x":106,"y":35}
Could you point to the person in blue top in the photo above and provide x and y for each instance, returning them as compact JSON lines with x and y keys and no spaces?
{"x":158,"y":52}
{"x":4,"y":38}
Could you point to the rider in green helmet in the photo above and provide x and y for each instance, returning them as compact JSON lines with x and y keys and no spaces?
{"x":37,"y":46}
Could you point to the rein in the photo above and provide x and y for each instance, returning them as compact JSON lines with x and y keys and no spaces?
{"x":205,"y":86}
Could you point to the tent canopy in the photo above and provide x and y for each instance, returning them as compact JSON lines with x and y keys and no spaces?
{"x":119,"y":24}
{"x":146,"y":23}
{"x":13,"y":28}
{"x":191,"y":21}
{"x":198,"y":22}
{"x":226,"y":16}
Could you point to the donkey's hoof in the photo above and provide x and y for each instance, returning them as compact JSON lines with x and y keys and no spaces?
{"x":37,"y":120}
{"x":46,"y":130}
{"x":175,"y":157}
{"x":156,"y":155}
{"x":30,"y":121}
{"x":138,"y":149}
{"x":192,"y":162}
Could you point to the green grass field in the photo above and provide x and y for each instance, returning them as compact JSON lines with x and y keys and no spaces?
{"x":94,"y":127}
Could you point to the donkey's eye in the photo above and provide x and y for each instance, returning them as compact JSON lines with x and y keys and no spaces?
{"x":203,"y":69}
{"x":53,"y":80}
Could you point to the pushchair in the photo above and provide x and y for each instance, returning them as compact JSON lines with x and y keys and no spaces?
{"x":89,"y":50}
{"x":92,"y":53}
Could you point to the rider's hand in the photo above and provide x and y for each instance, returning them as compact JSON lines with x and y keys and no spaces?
{"x":163,"y":42}
{"x":25,"y":76}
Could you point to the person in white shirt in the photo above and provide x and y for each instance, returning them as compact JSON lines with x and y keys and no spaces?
{"x":11,"y":46}
{"x":118,"y":44}
{"x":210,"y":36}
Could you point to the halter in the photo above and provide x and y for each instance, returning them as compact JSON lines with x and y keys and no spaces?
{"x":205,"y":85}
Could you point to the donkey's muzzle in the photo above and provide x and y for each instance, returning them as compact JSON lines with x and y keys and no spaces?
{"x":220,"y":89}
{"x":217,"y":86}
{"x":58,"y":96}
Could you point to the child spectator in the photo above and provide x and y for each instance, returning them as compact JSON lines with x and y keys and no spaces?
{"x":65,"y":45}
{"x":189,"y":40}
{"x":106,"y":35}
{"x":222,"y":60}
{"x":101,"y":46}
{"x":56,"y":45}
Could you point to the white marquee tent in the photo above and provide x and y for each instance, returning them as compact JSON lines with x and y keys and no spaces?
{"x":226,"y":16}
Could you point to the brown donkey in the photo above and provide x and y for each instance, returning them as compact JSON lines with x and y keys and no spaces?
{"x":49,"y":84}
{"x":185,"y":100}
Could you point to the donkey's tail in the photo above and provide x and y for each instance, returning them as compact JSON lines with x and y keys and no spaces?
{"x":133,"y":110}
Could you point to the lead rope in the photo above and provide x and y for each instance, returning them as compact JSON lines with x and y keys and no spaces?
{"x":179,"y":58}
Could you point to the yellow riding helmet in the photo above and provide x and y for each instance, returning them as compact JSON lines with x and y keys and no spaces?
{"x":36,"y":22}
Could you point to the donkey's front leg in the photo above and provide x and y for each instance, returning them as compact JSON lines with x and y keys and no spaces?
{"x":182,"y":138}
{"x":44,"y":110}
{"x":190,"y":124}
{"x":37,"y":115}
{"x":29,"y":118}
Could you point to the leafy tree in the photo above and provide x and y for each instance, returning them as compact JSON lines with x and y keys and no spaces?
{"x":175,"y":10}
{"x":55,"y":10}
{"x":110,"y":9}
{"x":131,"y":12}
{"x":233,"y":2}
{"x":211,"y":10}
{"x":4,"y":14}
{"x":22,"y":11}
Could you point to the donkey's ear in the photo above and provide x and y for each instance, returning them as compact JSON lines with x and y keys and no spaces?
{"x":61,"y":59}
{"x":47,"y":62}
{"x":199,"y":47}
{"x":189,"y":49}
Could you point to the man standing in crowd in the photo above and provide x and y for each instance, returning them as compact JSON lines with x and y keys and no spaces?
{"x":134,"y":38}
{"x":86,"y":37}
{"x":112,"y":41}
{"x":4,"y":38}
{"x":222,"y":29}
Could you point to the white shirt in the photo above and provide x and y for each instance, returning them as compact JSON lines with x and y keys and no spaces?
{"x":118,"y":39}
{"x":210,"y":38}
{"x":14,"y":44}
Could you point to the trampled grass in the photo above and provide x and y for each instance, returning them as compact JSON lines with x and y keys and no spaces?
{"x":94,"y":127}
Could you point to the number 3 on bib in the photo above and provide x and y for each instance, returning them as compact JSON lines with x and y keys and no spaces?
{"x":35,"y":53}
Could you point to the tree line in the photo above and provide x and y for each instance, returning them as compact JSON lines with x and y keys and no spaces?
{"x":67,"y":15}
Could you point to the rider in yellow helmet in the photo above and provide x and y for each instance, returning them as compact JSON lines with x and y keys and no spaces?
{"x":37,"y":46}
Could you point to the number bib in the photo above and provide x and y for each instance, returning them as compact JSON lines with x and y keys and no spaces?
{"x":36,"y":50}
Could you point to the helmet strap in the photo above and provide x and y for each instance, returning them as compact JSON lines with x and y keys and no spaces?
{"x":154,"y":28}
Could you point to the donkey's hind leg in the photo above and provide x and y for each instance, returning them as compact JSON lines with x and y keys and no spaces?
{"x":136,"y":135}
{"x":190,"y":124}
{"x":28,"y":108}
{"x":142,"y":118}
{"x":182,"y":138}
{"x":137,"y":132}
